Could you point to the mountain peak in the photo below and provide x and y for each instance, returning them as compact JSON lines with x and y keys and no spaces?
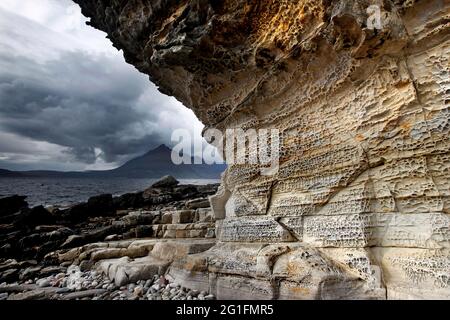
{"x":162,"y":147}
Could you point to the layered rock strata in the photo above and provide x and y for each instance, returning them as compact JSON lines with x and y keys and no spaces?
{"x":107,"y":248}
{"x":359,"y":91}
{"x":168,"y":212}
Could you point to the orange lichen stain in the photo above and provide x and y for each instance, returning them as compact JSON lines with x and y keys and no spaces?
{"x":189,"y":266}
{"x":406,"y":126}
{"x":299,"y":291}
{"x":273,"y":22}
{"x":178,"y":12}
{"x":293,"y":268}
{"x":359,"y":137}
{"x":167,"y":24}
{"x":402,"y":84}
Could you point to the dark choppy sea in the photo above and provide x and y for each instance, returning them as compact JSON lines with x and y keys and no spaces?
{"x":66,"y":191}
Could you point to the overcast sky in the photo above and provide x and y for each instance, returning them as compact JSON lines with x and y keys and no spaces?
{"x":68,"y":100}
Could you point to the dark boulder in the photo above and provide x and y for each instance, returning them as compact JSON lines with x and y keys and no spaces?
{"x":29,"y":273}
{"x":38,"y":239}
{"x":29,"y":241}
{"x":13,"y":204}
{"x":47,"y":271}
{"x":59,"y":234}
{"x":129,"y":235}
{"x":143,"y":231}
{"x":9,"y":218}
{"x":197,"y":203}
{"x":75,"y":213}
{"x":9,"y":264}
{"x":185,"y":192}
{"x":153,"y":196}
{"x":9,"y":275}
{"x":165,"y":182}
{"x":208,"y":189}
{"x":7,"y":250}
{"x":100,"y":205}
{"x":96,"y":206}
{"x":140,"y":218}
{"x":33,"y":217}
{"x":159,"y":199}
{"x":92,"y":236}
{"x":37,"y":245}
{"x":128,"y":201}
{"x":41,"y":251}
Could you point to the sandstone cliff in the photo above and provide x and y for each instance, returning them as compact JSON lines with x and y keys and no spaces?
{"x":360,"y":207}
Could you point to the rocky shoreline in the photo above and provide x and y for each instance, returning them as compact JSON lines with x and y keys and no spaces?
{"x":108,"y":248}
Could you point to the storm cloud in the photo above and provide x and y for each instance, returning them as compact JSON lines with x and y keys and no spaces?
{"x":88,"y":108}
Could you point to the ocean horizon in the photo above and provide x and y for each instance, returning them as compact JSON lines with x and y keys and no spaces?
{"x":68,"y":191}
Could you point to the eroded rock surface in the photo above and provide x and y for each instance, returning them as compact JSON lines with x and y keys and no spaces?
{"x":361,"y":202}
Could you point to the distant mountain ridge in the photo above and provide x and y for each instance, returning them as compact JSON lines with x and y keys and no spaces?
{"x":153,"y":164}
{"x":8,"y":173}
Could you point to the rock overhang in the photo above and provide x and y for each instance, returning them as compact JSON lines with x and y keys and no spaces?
{"x":217,"y":56}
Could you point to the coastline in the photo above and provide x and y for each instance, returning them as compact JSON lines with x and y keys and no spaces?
{"x":64,"y":192}
{"x":68,"y":253}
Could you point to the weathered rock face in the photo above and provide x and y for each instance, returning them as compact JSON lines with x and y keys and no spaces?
{"x":360,"y":206}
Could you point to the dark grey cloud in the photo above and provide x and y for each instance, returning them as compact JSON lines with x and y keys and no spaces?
{"x":80,"y":102}
{"x":81,"y":107}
